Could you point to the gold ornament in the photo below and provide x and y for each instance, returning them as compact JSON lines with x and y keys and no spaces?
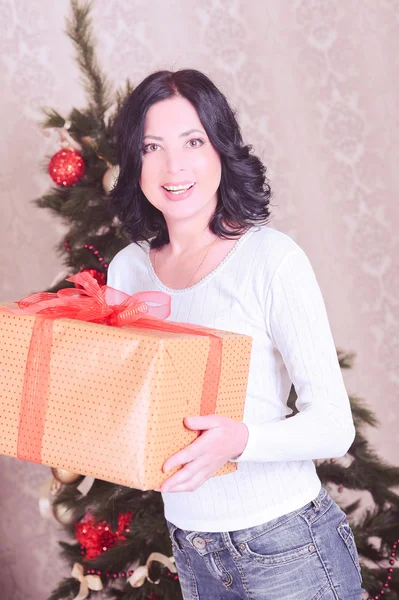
{"x":55,"y":487}
{"x":63,"y":514}
{"x":65,"y":476}
{"x":110,"y":178}
{"x":50,"y":488}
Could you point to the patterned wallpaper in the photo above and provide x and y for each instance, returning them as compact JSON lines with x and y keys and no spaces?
{"x":314,"y":83}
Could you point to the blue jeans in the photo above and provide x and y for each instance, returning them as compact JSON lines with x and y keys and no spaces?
{"x":307,"y":554}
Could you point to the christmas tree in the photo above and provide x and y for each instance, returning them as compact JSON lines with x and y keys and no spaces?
{"x":120,"y":543}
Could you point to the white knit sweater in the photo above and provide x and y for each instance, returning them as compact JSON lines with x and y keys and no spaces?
{"x":265,"y":288}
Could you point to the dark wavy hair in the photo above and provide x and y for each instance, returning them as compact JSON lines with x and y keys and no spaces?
{"x":243,"y":195}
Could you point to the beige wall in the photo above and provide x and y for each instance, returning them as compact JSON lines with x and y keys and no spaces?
{"x":315,"y":86}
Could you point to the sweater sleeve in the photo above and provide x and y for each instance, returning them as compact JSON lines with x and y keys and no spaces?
{"x":297,"y":322}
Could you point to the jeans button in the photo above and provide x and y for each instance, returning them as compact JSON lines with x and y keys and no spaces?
{"x":199,"y":543}
{"x":311,"y":548}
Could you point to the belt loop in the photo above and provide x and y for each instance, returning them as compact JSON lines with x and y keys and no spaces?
{"x":230,"y":544}
{"x":320,"y":498}
{"x":316,"y":502}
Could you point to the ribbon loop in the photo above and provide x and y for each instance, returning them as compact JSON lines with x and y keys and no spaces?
{"x":103,"y":305}
{"x":89,"y":285}
{"x":87,"y":582}
{"x":141,"y":573}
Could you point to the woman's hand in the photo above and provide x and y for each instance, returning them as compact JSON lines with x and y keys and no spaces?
{"x":221,"y":439}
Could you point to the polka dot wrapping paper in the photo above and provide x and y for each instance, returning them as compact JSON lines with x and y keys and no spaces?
{"x":113,"y":403}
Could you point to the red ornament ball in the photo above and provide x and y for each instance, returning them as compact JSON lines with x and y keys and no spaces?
{"x":98,"y":276}
{"x":67,"y":167}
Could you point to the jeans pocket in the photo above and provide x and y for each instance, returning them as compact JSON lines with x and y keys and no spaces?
{"x":257,"y":551}
{"x":348,"y":538}
{"x":279,"y":541}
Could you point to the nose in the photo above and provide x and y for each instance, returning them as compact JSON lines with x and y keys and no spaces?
{"x":174,"y":161}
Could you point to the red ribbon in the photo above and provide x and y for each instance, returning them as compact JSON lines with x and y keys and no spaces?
{"x":95,"y":304}
{"x":103,"y":305}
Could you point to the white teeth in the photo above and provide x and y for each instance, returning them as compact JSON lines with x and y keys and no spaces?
{"x":176,"y":188}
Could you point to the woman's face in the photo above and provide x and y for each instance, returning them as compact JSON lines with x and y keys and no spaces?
{"x":181,"y":170}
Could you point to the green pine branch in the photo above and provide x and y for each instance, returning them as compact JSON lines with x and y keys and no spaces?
{"x":83,"y":207}
{"x":78,"y":28}
{"x":54,"y":119}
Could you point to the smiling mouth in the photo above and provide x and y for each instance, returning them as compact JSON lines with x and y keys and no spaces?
{"x":178,"y":189}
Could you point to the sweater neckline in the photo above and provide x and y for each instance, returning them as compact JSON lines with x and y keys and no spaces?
{"x":226,"y":259}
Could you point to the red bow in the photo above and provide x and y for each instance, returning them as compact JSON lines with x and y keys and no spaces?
{"x":96,"y":304}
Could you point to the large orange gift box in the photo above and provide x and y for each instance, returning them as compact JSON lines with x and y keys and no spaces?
{"x":96,"y":382}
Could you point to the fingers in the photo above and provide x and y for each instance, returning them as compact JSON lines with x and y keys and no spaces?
{"x":188,"y":479}
{"x":179,"y":479}
{"x":187,"y":455}
{"x":184,"y":487}
{"x":203,"y":457}
{"x":202,"y":423}
{"x":194,"y":450}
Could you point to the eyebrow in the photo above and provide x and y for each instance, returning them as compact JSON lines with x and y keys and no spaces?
{"x":184,"y":134}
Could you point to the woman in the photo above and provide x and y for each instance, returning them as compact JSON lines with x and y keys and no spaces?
{"x":195,"y":202}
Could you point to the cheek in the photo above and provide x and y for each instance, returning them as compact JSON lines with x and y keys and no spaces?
{"x":147,"y":173}
{"x":209,"y":164}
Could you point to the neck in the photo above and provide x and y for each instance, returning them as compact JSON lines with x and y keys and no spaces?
{"x":190,"y":242}
{"x":188,"y":237}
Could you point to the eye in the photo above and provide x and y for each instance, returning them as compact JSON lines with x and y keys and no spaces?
{"x":195,"y":143}
{"x":150,"y":148}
